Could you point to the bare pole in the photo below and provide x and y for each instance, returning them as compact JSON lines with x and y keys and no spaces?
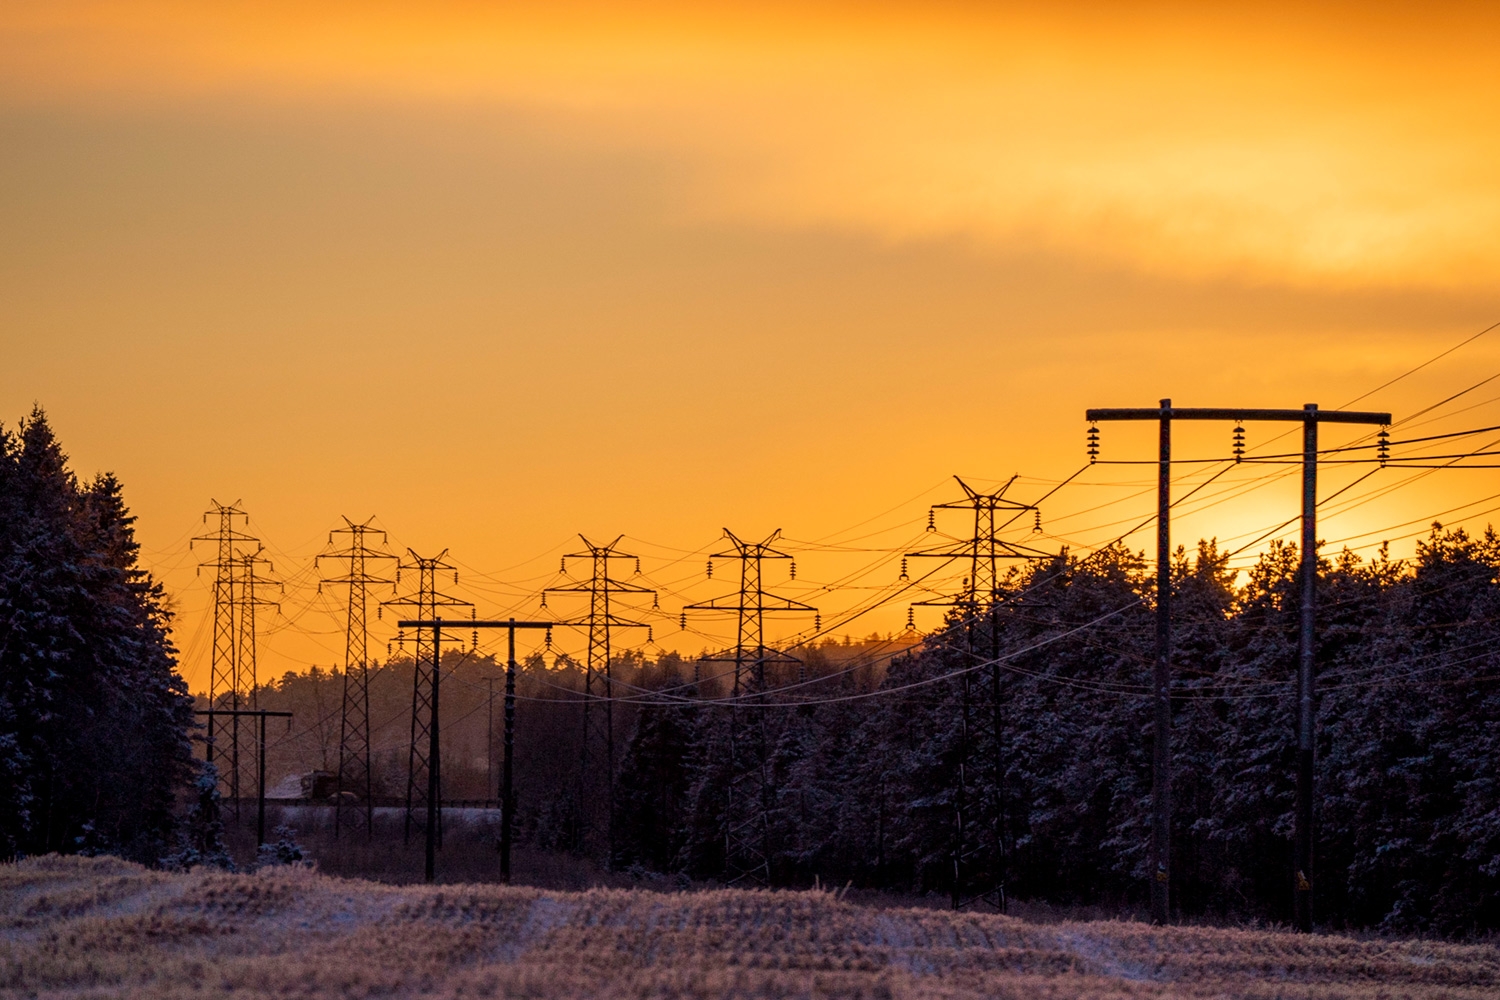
{"x":489,"y":738}
{"x":1161,"y":684}
{"x":1302,"y":889}
{"x":260,"y":787}
{"x":507,"y":773}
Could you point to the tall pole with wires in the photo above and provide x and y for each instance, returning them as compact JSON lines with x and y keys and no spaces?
{"x":358,"y":561}
{"x":1305,"y":712}
{"x":424,"y":761}
{"x":596,"y":766}
{"x":979,"y":848}
{"x":749,"y":787}
{"x":224,"y":662}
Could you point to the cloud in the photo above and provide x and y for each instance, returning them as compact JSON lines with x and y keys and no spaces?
{"x":1301,"y":148}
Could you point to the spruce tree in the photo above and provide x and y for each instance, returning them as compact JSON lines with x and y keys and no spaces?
{"x":93,"y":716}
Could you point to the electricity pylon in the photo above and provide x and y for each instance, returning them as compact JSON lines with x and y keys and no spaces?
{"x":426,"y":601}
{"x":750,"y":787}
{"x":596,"y":766}
{"x":249,"y":599}
{"x":979,"y":850}
{"x":224,"y":660}
{"x":355,"y":773}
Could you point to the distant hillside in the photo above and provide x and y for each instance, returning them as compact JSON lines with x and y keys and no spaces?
{"x":100,"y":926}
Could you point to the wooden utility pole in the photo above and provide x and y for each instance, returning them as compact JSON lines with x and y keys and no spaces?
{"x":1161,"y":780}
{"x":489,"y":737}
{"x":434,"y":772}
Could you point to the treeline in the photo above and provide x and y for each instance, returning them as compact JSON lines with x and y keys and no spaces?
{"x":94,"y":719}
{"x":862,"y":766}
{"x":1408,"y":831}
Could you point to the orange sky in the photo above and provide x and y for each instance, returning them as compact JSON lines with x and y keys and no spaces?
{"x":499,"y":275}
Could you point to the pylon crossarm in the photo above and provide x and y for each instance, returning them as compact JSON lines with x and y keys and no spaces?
{"x":614,"y":586}
{"x":965,"y":550}
{"x":1230,"y":413}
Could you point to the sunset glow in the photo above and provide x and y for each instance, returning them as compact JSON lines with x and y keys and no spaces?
{"x":500,"y":275}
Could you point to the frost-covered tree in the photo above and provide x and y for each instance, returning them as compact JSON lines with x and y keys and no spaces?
{"x":1408,"y":810}
{"x":94,"y":719}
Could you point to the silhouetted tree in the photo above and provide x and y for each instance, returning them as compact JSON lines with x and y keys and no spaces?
{"x":94,"y":719}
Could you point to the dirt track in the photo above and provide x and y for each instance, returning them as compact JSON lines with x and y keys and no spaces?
{"x":100,"y":927}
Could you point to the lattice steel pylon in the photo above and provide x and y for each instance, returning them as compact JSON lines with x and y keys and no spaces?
{"x":249,"y":599}
{"x":596,"y":765}
{"x":426,"y":601}
{"x":750,"y":787}
{"x":355,"y":774}
{"x":224,"y":659}
{"x":981,"y":844}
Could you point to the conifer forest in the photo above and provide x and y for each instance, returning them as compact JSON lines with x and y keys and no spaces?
{"x":1025,"y":712}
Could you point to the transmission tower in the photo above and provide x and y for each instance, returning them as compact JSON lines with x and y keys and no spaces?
{"x":425,"y":680}
{"x":355,"y":773}
{"x":750,"y":788}
{"x":980,"y":845}
{"x":596,"y":766}
{"x":248,"y":600}
{"x":224,"y":660}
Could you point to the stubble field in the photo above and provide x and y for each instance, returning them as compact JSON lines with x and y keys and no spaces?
{"x":100,"y":927}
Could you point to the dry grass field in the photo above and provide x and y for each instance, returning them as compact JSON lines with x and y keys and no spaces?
{"x":101,"y":927}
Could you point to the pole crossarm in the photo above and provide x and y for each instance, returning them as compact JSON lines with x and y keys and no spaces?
{"x":468,"y":623}
{"x":1223,"y":413}
{"x":965,"y":549}
{"x":242,"y":711}
{"x":755,"y":550}
{"x":604,"y":581}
